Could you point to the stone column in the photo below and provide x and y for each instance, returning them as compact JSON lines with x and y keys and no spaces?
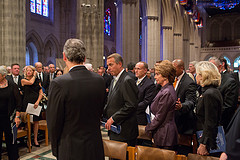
{"x":90,"y":16}
{"x":151,"y":33}
{"x":178,"y":46}
{"x":167,"y":43}
{"x":186,"y":49}
{"x":12,"y":32}
{"x":127,"y":30}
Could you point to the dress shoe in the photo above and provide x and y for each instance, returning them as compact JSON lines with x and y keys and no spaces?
{"x":36,"y":145}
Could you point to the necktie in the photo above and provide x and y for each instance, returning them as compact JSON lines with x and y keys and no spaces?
{"x":138,"y":81}
{"x":175,"y":82}
{"x":39,"y":76}
{"x":15,"y":79}
{"x":114,"y":82}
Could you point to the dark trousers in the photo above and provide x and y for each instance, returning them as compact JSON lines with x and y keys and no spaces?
{"x":5,"y":127}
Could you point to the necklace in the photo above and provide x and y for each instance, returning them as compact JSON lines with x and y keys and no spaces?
{"x":4,"y":84}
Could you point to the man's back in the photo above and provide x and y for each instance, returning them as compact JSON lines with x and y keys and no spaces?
{"x":76,"y":102}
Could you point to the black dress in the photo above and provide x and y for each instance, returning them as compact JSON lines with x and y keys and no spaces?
{"x":31,"y":93}
{"x":10,"y":100}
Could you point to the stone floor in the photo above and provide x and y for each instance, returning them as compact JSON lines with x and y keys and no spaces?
{"x":42,"y":153}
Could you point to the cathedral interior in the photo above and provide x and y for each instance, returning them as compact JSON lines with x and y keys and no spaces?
{"x":139,"y":30}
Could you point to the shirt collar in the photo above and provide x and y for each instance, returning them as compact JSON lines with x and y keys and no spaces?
{"x":180,"y":77}
{"x":119,"y":74}
{"x":75,"y":66}
{"x":140,"y":80}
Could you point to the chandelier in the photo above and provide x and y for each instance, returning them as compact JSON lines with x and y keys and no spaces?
{"x":219,"y":4}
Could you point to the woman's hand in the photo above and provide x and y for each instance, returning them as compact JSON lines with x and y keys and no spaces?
{"x":35,"y":73}
{"x":36,"y":104}
{"x":17,"y":121}
{"x":202,"y":150}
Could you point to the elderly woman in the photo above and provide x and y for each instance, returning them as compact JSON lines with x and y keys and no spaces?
{"x":10,"y":99}
{"x":209,"y":105}
{"x":163,"y":126}
{"x":32,"y":94}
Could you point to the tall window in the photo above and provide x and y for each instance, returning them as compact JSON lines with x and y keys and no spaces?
{"x":107,"y":22}
{"x":40,"y":7}
{"x":228,"y":60}
{"x":236,"y":63}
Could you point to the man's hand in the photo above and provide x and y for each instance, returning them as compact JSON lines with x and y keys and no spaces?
{"x":109,"y":123}
{"x":178,"y":104}
{"x":223,"y":156}
{"x":202,"y":150}
{"x":17,"y":121}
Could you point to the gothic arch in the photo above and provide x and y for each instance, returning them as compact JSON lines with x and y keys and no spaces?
{"x":55,"y":43}
{"x":226,"y":29}
{"x":236,"y":29}
{"x":34,"y":37}
{"x":214,"y":31}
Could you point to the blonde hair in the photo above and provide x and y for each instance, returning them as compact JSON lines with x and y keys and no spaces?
{"x":209,"y":72}
{"x":31,"y":67}
{"x":166,"y":69}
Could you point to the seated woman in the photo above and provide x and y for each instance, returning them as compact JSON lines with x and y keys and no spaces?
{"x":163,"y":125}
{"x":208,"y":110}
{"x":32,"y":94}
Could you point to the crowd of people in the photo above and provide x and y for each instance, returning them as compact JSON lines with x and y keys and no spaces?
{"x":180,"y":102}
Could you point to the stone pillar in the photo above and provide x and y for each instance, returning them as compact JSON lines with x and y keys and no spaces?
{"x":12,"y":32}
{"x":186,"y":49}
{"x":167,"y":43}
{"x":90,"y":16}
{"x":127,"y":30}
{"x":178,"y":46}
{"x":151,"y":33}
{"x":192,"y":52}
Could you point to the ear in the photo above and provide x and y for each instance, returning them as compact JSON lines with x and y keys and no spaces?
{"x":64,"y":57}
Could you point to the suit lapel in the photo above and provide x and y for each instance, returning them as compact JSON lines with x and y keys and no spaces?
{"x":179,"y":84}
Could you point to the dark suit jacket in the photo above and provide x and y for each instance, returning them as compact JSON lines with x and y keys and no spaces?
{"x":10,"y":78}
{"x":236,"y":77}
{"x":122,"y":106}
{"x":163,"y":125}
{"x":233,"y":137}
{"x":45,"y":82}
{"x":132,"y":75}
{"x":75,"y":106}
{"x":54,"y":75}
{"x":145,"y":96}
{"x":107,"y":79}
{"x":185,"y":118}
{"x":208,"y":113}
{"x":229,"y":91}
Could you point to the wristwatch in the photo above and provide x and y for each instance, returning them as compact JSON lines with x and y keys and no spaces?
{"x":17,"y":116}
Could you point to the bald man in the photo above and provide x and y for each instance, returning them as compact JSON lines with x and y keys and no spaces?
{"x":184,"y":115}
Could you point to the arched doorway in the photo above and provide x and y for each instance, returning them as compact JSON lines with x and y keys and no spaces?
{"x":31,"y":54}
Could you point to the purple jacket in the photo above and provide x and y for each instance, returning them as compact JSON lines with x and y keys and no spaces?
{"x":163,"y":125}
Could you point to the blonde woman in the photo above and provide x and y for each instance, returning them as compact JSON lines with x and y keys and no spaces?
{"x":209,"y":105}
{"x":32,"y":94}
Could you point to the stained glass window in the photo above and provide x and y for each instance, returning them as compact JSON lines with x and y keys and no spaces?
{"x":107,"y":22}
{"x":228,"y":60}
{"x":45,"y":8}
{"x":40,"y":7}
{"x":32,"y":6}
{"x":236,"y":62}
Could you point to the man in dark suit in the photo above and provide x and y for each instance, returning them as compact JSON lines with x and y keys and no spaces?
{"x":184,"y":115}
{"x":44,"y":77}
{"x":52,"y":74}
{"x":232,"y":139}
{"x":107,"y":78}
{"x":229,"y":91}
{"x":146,"y":93}
{"x":131,"y":70}
{"x":15,"y":77}
{"x":122,"y":102}
{"x":75,"y":106}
